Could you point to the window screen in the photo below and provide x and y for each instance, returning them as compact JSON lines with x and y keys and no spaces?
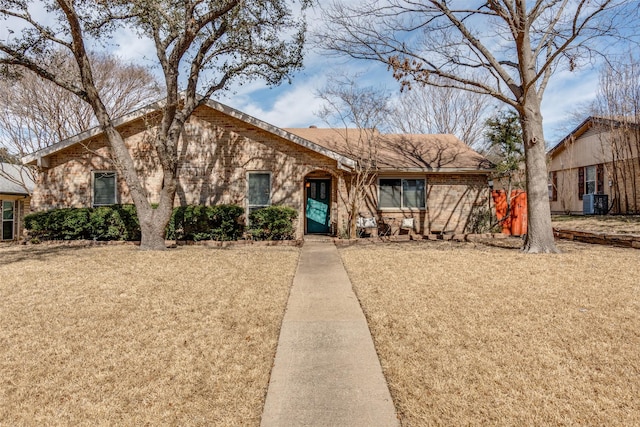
{"x":104,"y":188}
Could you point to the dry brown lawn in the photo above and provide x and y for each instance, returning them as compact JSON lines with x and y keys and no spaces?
{"x":624,"y":224}
{"x":115,"y":336}
{"x":476,"y":335}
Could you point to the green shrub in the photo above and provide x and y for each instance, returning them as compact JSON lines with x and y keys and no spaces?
{"x":273,"y":223}
{"x":120,"y":222}
{"x":35,"y":223}
{"x":60,"y":224}
{"x":196,"y":222}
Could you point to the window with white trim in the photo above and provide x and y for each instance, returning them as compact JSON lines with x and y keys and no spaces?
{"x":401,"y":193}
{"x":105,"y":188}
{"x":590,"y":180}
{"x":258,"y":190}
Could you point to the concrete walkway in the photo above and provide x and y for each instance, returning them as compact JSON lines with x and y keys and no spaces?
{"x":326,"y":371}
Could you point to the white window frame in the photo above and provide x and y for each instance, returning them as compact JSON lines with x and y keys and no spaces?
{"x":401,"y":207}
{"x":250,"y":206}
{"x":93,"y":188}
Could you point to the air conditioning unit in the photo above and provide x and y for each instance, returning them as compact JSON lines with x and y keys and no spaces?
{"x":595,"y":204}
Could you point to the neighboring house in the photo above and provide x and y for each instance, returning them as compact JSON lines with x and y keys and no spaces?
{"x":230,"y":157}
{"x":15,"y":187}
{"x":599,"y":157}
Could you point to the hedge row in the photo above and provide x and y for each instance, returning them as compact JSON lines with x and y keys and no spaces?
{"x":120,"y":222}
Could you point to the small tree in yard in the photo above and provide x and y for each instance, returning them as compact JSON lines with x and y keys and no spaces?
{"x":200,"y":46}
{"x":360,"y":113}
{"x":504,"y":136}
{"x":509,"y":50}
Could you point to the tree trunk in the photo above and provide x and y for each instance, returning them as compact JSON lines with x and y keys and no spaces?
{"x":540,"y":237}
{"x":153,"y":225}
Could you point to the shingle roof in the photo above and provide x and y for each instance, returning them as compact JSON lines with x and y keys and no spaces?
{"x":14,"y":179}
{"x":403,"y":152}
{"x":589,"y":122}
{"x":225,"y":109}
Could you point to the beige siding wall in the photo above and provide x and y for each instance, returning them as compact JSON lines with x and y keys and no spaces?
{"x":592,"y":148}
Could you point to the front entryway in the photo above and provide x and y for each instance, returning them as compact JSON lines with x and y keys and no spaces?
{"x":318,"y":206}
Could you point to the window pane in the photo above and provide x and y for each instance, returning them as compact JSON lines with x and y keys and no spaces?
{"x":7,"y":210}
{"x":259,"y":189}
{"x":390,"y":193}
{"x":7,"y":230}
{"x":590,"y":180}
{"x":313,"y":191}
{"x":104,"y":188}
{"x":413,"y":193}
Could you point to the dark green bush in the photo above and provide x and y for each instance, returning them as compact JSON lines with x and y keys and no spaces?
{"x":36,"y":223}
{"x":120,"y":222}
{"x":196,"y":222}
{"x":60,"y":224}
{"x":273,"y":223}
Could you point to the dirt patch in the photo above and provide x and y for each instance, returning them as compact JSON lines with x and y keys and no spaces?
{"x":475,"y":335}
{"x":115,"y":336}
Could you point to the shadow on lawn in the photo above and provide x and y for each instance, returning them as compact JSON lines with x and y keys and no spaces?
{"x":13,"y":253}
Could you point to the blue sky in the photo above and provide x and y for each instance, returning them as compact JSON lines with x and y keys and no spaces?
{"x":296,"y":104}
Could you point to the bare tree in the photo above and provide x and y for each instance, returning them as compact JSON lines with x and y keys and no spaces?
{"x":38,"y":113}
{"x":505,"y":49}
{"x":444,"y":110}
{"x":357,"y":114}
{"x":618,"y":104}
{"x":201,"y":46}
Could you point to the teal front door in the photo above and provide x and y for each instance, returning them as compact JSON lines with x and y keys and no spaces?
{"x":318,"y":210}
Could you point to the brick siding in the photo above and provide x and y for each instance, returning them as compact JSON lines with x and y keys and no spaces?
{"x":217,"y":152}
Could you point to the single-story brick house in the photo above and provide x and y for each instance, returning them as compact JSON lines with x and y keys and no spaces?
{"x":231,"y":157}
{"x":16,"y":185}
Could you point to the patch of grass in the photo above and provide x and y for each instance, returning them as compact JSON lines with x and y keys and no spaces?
{"x":116,"y":336}
{"x":489,"y":336}
{"x":623,"y":224}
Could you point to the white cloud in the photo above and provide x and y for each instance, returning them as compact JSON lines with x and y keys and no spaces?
{"x":568,"y":93}
{"x":291,"y":106}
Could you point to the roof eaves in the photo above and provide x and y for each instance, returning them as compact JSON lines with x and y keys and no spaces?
{"x":438,"y":170}
{"x":90,"y":133}
{"x":225,"y":109}
{"x":588,"y":123}
{"x":341,"y":159}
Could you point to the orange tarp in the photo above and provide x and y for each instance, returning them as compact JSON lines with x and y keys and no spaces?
{"x":516,"y":222}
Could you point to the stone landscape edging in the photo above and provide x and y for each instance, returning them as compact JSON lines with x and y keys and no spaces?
{"x":610,"y":239}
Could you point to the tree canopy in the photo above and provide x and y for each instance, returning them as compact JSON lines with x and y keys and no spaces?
{"x":506,"y":49}
{"x":200,"y":47}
